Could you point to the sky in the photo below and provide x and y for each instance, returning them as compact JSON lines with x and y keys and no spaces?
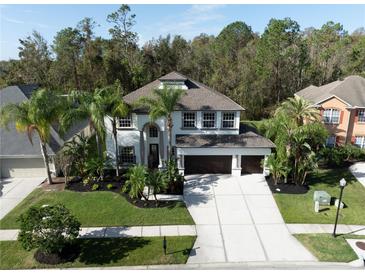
{"x":152,"y":21}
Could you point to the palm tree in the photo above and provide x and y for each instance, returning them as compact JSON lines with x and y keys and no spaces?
{"x":114,"y":109}
{"x":162,"y":104}
{"x":299,"y":109}
{"x":90,"y":106}
{"x":35,"y":115}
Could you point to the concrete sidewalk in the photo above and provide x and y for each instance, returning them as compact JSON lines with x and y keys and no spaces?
{"x":326,"y":228}
{"x":119,"y":232}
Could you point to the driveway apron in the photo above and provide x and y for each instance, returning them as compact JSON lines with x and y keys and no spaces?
{"x":14,"y":190}
{"x":237,"y":220}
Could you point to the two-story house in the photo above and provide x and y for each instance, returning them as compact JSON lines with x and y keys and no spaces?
{"x":206,"y":132}
{"x":342,"y":106}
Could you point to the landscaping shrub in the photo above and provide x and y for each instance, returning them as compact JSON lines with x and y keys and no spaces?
{"x":136,"y":180}
{"x":337,"y":156}
{"x":109,"y":186}
{"x":50,"y":229}
{"x":95,"y":187}
{"x":157,"y":181}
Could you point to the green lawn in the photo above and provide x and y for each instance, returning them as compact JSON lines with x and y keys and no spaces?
{"x":105,"y":252}
{"x":329,"y":249}
{"x":101,"y":208}
{"x":300,"y":208}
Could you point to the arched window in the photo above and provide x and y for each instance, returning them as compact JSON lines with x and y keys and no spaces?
{"x":153,"y":132}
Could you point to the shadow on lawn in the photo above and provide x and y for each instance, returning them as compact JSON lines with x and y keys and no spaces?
{"x":104,"y":251}
{"x":331,"y":177}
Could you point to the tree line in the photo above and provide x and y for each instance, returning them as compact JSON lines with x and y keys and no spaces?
{"x":258,"y":71}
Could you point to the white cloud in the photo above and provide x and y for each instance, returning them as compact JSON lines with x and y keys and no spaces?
{"x":190,"y":22}
{"x":11,"y":20}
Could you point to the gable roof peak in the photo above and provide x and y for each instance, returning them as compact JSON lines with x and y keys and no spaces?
{"x":173,"y":76}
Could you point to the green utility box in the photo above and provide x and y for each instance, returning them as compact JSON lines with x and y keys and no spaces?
{"x":322,"y":197}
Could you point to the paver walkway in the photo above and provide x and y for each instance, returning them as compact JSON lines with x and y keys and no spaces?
{"x":14,"y":190}
{"x":358,"y":170}
{"x":237,"y":220}
{"x":119,"y":232}
{"x":326,"y":228}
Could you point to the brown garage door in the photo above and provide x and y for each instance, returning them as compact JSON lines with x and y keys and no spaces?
{"x":251,"y":164}
{"x":208,"y":164}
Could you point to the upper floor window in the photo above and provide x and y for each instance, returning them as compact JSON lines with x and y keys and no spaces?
{"x":189,"y":120}
{"x":331,"y":116}
{"x":228,"y":119}
{"x":208,"y":119}
{"x":153,"y":132}
{"x":360,"y":141}
{"x":125,"y":122}
{"x":126,"y":155}
{"x":361,"y":116}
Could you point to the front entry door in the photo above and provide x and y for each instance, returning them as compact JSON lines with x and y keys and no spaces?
{"x":153,"y":158}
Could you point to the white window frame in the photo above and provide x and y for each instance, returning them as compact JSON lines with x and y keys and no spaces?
{"x":132,"y":156}
{"x":125,"y":120}
{"x":361,"y":116}
{"x":188,"y":119}
{"x":228,"y":120}
{"x":209,"y":120}
{"x":331,"y":117}
{"x":360,"y":144}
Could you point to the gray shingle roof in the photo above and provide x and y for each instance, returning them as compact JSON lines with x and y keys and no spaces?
{"x":247,"y":140}
{"x":197,"y":96}
{"x":351,"y":90}
{"x":15,"y":144}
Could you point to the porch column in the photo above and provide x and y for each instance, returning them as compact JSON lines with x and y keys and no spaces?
{"x":141,"y":146}
{"x":180,"y":163}
{"x":265,"y":169}
{"x":236,"y":165}
{"x":161,"y":146}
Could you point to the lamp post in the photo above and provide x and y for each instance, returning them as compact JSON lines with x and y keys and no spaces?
{"x":342,"y":186}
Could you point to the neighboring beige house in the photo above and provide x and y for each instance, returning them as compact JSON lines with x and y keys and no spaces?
{"x":342,"y":106}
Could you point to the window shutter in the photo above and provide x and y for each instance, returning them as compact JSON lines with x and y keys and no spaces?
{"x":353,"y":138}
{"x":341,"y":117}
{"x":356,"y":116}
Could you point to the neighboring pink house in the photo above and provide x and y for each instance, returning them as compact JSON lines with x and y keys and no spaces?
{"x":342,"y":106}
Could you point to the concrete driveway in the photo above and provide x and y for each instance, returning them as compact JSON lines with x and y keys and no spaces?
{"x":237,"y":220}
{"x":358,"y":170}
{"x":14,"y":190}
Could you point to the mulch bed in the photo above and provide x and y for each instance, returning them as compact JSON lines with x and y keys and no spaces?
{"x":117,"y":183}
{"x":68,"y":254}
{"x":287,"y":188}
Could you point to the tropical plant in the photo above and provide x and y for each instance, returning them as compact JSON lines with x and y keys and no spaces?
{"x":115,"y":108}
{"x":48,"y":228}
{"x":162,"y":104}
{"x":90,"y":106}
{"x":278,"y":168}
{"x":94,"y":168}
{"x":300,"y":110}
{"x":157,"y":181}
{"x":172,"y":172}
{"x":77,"y":150}
{"x":35,"y":115}
{"x":136,"y":181}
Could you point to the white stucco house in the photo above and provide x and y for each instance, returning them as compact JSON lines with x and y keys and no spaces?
{"x":206,"y":134}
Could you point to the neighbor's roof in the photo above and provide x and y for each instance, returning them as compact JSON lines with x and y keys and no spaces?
{"x":197,"y":96}
{"x":247,"y":140}
{"x":15,"y":144}
{"x":351,"y":90}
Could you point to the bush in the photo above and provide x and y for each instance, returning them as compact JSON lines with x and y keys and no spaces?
{"x":95,"y":187}
{"x":157,"y":180}
{"x":109,"y":186}
{"x":172,"y":172}
{"x":49,"y":228}
{"x":337,"y":156}
{"x":136,"y":180}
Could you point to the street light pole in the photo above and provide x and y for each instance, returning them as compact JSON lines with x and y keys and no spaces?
{"x":342,"y":186}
